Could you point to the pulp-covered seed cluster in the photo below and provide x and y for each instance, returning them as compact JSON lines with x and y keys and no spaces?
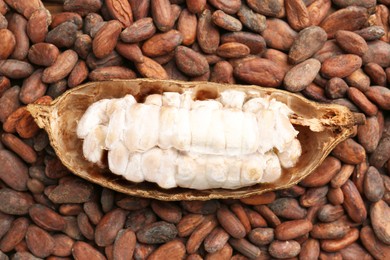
{"x":174,"y":141}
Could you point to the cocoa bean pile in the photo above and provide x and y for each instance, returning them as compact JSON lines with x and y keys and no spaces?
{"x":330,"y":51}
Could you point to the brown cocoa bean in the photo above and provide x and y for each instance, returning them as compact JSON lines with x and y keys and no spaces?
{"x":19,"y":147}
{"x":244,"y":247}
{"x":124,"y":244}
{"x":173,"y":250}
{"x":132,"y":203}
{"x":225,"y":21}
{"x":82,"y":7}
{"x":109,"y":226}
{"x":293,"y":229}
{"x":335,"y":196}
{"x":353,"y":202}
{"x":78,"y":74}
{"x":207,"y":33}
{"x":259,"y":71}
{"x":188,"y":224}
{"x":330,"y":213}
{"x":329,"y":231}
{"x":156,"y":233}
{"x":340,"y":65}
{"x":336,"y":88}
{"x":32,"y":88}
{"x":62,"y":17}
{"x":151,"y":69}
{"x":161,"y":44}
{"x":83,"y":45}
{"x":17,"y":25}
{"x":85,"y":226}
{"x":351,"y":42}
{"x":63,"y":245}
{"x":374,"y":188}
{"x":15,"y":234}
{"x":374,"y":246}
{"x":38,"y":25}
{"x":200,"y":233}
{"x":196,"y":6}
{"x":241,"y":214}
{"x":61,"y":67}
{"x":106,"y":38}
{"x":46,"y":218}
{"x":201,"y":207}
{"x":222,"y":73}
{"x":162,"y":14}
{"x":84,"y":251}
{"x":43,"y":54}
{"x":63,"y":36}
{"x":310,"y":249}
{"x":318,"y":10}
{"x":380,"y":96}
{"x":328,"y":50}
{"x":140,"y":30}
{"x":342,"y":176}
{"x":140,"y":8}
{"x":376,"y":73}
{"x":229,"y":7}
{"x":362,"y":102}
{"x":297,"y":14}
{"x":301,"y":75}
{"x":13,"y":171}
{"x":231,"y":223}
{"x":323,"y":174}
{"x":130,"y":51}
{"x":70,"y":209}
{"x":355,"y":250}
{"x":187,"y":25}
{"x":268,"y":8}
{"x":284,"y":249}
{"x":268,"y":214}
{"x":380,"y":215}
{"x":278,"y":34}
{"x":255,"y":42}
{"x":109,"y":73}
{"x":5,"y":223}
{"x":253,"y":21}
{"x":378,"y":52}
{"x":338,"y":244}
{"x":287,"y":208}
{"x":350,"y":19}
{"x":349,"y":152}
{"x":371,"y":33}
{"x":359,"y":80}
{"x":93,"y":211}
{"x":15,"y":202}
{"x":120,"y":10}
{"x":313,"y":196}
{"x":307,"y":43}
{"x":216,"y":240}
{"x":39,"y":242}
{"x":8,"y":43}
{"x":75,"y":191}
{"x":15,"y":69}
{"x":233,"y":50}
{"x":167,"y":211}
{"x":261,"y":236}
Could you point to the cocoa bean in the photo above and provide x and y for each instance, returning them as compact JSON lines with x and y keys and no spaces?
{"x":329,"y":213}
{"x":40,"y":243}
{"x":338,"y":244}
{"x":63,"y":245}
{"x":268,"y":8}
{"x":222,"y":73}
{"x":225,"y":253}
{"x":109,"y":73}
{"x":378,"y":52}
{"x":64,"y":35}
{"x":342,"y":176}
{"x":380,"y":96}
{"x":255,"y":219}
{"x":38,"y":25}
{"x":287,"y":208}
{"x":310,"y":249}
{"x":379,"y":214}
{"x":225,"y":21}
{"x":46,"y":218}
{"x":353,"y":202}
{"x":17,"y":25}
{"x":374,"y":188}
{"x":244,"y":247}
{"x":349,"y":152}
{"x":130,"y":51}
{"x":269,"y":216}
{"x":13,"y":171}
{"x":340,"y":65}
{"x":313,"y":196}
{"x":200,"y":233}
{"x":374,"y":246}
{"x":121,"y":11}
{"x":207,"y":34}
{"x":329,"y":231}
{"x":15,"y":69}
{"x":359,"y":80}
{"x":75,"y":191}
{"x":15,"y":234}
{"x":85,"y":226}
{"x":318,"y":10}
{"x":328,"y":50}
{"x":253,"y":21}
{"x":278,"y":34}
{"x":173,"y":250}
{"x":301,"y":75}
{"x":284,"y":249}
{"x":84,"y":251}
{"x":167,"y":211}
{"x":229,"y":7}
{"x":109,"y":226}
{"x":216,"y":240}
{"x":124,"y":244}
{"x":8,"y":41}
{"x":60,"y":18}
{"x":156,"y":233}
{"x":162,"y":14}
{"x":188,"y":224}
{"x":151,"y":69}
{"x":196,"y":6}
{"x":297,"y":14}
{"x":255,"y":42}
{"x":323,"y":174}
{"x":362,"y":102}
{"x":140,"y":218}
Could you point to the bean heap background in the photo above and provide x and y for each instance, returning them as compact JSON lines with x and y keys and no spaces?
{"x":329,"y":51}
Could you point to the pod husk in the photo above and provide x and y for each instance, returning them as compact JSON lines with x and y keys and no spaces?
{"x":60,"y":119}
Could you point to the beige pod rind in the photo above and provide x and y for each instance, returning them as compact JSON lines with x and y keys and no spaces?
{"x":321,"y":127}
